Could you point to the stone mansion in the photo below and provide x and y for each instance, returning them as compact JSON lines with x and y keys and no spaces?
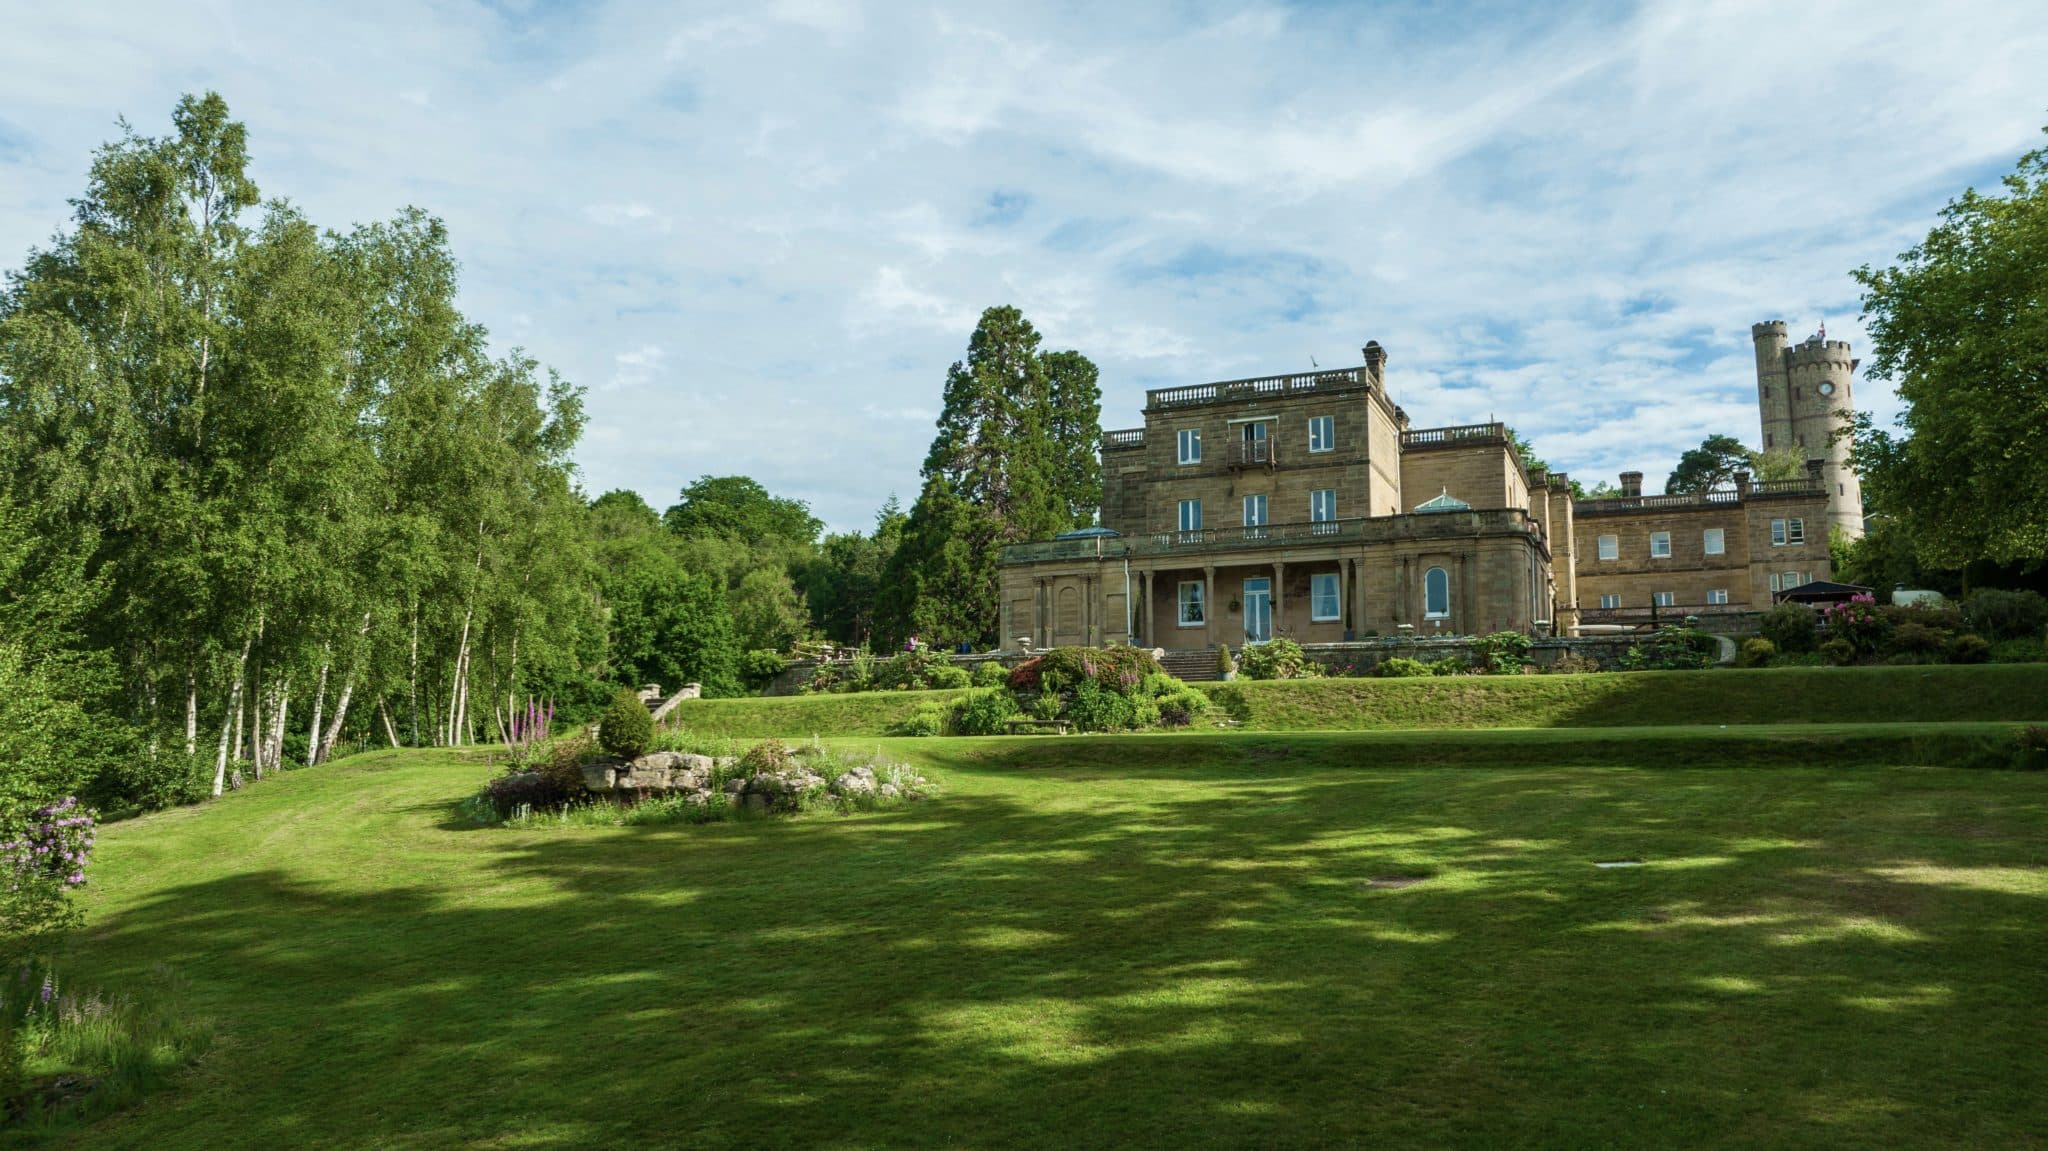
{"x":1306,"y":506}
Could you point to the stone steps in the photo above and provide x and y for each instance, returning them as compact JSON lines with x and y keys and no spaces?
{"x":1195,"y":665}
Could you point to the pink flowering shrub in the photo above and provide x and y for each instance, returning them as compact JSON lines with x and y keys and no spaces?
{"x":1858,"y":622}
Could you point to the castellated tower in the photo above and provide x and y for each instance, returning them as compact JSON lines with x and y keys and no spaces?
{"x":1803,"y":394}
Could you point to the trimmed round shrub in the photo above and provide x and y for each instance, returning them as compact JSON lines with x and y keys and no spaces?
{"x":1791,"y":627}
{"x":947,"y":677}
{"x":989,"y":673}
{"x":1224,"y":664}
{"x":985,"y":712}
{"x":1839,"y":652}
{"x":627,"y":727}
{"x":1968,"y":648}
{"x":1756,"y":652}
{"x":1401,"y":667}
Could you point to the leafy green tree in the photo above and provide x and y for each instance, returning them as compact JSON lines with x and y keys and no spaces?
{"x":1074,"y":423}
{"x":844,"y":583}
{"x":739,"y":509}
{"x":1956,"y":325}
{"x":992,"y":477}
{"x":1711,"y":465}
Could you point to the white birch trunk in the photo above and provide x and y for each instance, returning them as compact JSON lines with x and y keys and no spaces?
{"x":390,"y":733}
{"x":313,"y":731}
{"x":227,"y":719}
{"x":348,"y":687}
{"x":191,"y":711}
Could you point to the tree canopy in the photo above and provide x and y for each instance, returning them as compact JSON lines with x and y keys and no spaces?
{"x":1959,"y":324}
{"x":1014,"y":459}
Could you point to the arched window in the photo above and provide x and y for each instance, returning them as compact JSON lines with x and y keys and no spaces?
{"x":1436,"y":594}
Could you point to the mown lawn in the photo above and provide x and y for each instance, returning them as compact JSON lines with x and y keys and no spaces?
{"x":1793,"y":695}
{"x":1148,"y":941}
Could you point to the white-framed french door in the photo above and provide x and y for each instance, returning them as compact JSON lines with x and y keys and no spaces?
{"x":1258,"y":610}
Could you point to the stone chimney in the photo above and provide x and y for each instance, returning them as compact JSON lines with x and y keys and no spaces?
{"x":1631,"y":484}
{"x":1376,"y":364}
{"x":1742,"y":485}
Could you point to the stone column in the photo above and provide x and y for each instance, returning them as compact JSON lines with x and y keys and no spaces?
{"x":1211,"y":605}
{"x":1091,"y":615}
{"x":1038,"y":614}
{"x":1279,"y":600}
{"x":1141,"y":614}
{"x":1343,"y":596}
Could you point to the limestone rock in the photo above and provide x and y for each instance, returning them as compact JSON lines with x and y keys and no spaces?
{"x":601,"y":773}
{"x":858,"y":781}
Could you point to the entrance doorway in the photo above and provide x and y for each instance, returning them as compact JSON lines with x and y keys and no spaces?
{"x":1258,"y":610}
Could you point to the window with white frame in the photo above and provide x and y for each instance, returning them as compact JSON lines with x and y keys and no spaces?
{"x":1783,"y":532}
{"x":1715,"y":542}
{"x":1775,"y":586}
{"x":1610,"y":547}
{"x":1191,"y":602}
{"x":1436,"y":594}
{"x":1322,"y":434}
{"x":1717,"y":595}
{"x":1191,"y":515}
{"x":1660,"y":545}
{"x":1322,"y":504}
{"x":1663,"y":598}
{"x":1254,"y":511}
{"x":1610,"y":601}
{"x":1190,"y":445}
{"x":1794,"y":579}
{"x":1324,"y":603}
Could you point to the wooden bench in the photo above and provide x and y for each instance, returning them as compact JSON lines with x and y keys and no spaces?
{"x":1028,"y":725}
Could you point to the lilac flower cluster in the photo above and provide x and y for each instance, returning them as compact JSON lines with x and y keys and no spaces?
{"x":56,"y":843}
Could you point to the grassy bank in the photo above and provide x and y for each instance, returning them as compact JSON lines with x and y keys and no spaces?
{"x":1147,"y":941}
{"x":1987,"y":693}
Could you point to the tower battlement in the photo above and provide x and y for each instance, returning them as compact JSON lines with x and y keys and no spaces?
{"x":1820,"y":352}
{"x":1803,"y":395}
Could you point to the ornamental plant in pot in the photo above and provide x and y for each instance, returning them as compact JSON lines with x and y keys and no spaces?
{"x":1225,"y":666}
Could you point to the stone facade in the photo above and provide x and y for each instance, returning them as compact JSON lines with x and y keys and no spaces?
{"x":1306,"y":506}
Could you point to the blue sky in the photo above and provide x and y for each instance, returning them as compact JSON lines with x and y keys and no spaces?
{"x":759,"y":232}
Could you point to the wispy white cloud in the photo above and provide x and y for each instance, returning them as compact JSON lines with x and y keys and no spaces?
{"x":762,"y":231}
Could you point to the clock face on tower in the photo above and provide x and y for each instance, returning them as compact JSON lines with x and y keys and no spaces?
{"x":1827,"y":389}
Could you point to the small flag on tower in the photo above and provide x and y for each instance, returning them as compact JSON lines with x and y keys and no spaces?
{"x":1823,"y":329}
